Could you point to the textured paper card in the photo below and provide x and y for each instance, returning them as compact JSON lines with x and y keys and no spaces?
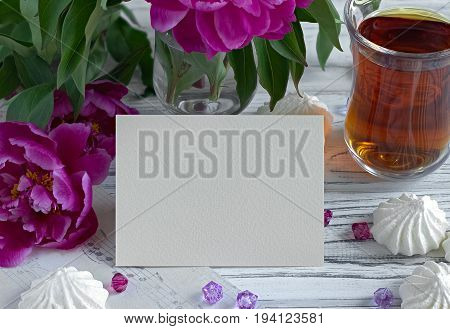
{"x":219,"y":191}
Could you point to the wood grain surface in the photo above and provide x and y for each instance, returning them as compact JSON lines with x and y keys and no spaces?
{"x":353,"y":270}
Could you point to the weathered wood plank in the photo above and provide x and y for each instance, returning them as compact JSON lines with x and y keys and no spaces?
{"x":353,"y":270}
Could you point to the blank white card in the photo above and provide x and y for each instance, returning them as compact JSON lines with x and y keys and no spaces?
{"x":219,"y":191}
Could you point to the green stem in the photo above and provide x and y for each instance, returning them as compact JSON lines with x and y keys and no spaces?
{"x":171,"y":90}
{"x":215,"y":91}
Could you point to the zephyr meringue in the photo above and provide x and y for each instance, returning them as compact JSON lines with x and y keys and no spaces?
{"x":67,"y":288}
{"x":409,"y":225}
{"x":446,"y":246}
{"x":307,"y":105}
{"x":427,"y":287}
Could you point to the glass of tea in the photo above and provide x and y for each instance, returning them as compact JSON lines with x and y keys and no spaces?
{"x":398,"y":119}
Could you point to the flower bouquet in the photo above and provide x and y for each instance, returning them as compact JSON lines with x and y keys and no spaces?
{"x":210,"y":53}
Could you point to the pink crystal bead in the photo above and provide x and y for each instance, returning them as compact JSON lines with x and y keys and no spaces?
{"x":383,"y":298}
{"x":361,"y":231}
{"x":119,"y":282}
{"x":327,"y":216}
{"x":246,"y":300}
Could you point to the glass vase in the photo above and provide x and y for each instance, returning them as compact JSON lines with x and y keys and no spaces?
{"x":190,"y":83}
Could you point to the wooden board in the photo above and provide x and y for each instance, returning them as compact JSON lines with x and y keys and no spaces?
{"x":353,"y":270}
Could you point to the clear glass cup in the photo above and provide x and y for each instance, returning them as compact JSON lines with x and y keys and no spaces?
{"x":398,"y":118}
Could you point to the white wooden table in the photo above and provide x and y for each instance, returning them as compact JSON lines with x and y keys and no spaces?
{"x":353,"y":270}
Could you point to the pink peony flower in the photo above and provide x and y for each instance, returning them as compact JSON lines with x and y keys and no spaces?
{"x":211,"y":26}
{"x":95,"y":127}
{"x":43,"y":201}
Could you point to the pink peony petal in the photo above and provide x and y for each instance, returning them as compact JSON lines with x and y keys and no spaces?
{"x":205,"y":5}
{"x":229,"y":24}
{"x":70,"y":140}
{"x":4,"y":215}
{"x":64,"y":191}
{"x":84,"y":184}
{"x":257,"y":25}
{"x":108,"y":88}
{"x":171,"y":4}
{"x":188,"y":36}
{"x":38,"y":154}
{"x":24,"y":183}
{"x":96,"y":164}
{"x":304,"y":3}
{"x":57,"y":227}
{"x":41,"y":199}
{"x":62,"y":105}
{"x":75,"y":237}
{"x":15,"y":244}
{"x":204,"y":21}
{"x":108,"y":144}
{"x":164,"y":20}
{"x":252,"y":7}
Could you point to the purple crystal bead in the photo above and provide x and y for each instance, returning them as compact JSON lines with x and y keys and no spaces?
{"x":212,"y":292}
{"x":383,"y":298}
{"x":246,"y":300}
{"x":361,"y":231}
{"x":119,"y":282}
{"x":327,"y":216}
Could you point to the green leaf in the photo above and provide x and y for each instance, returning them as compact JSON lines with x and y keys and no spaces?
{"x":112,"y":3}
{"x":129,"y":14}
{"x":324,"y":48}
{"x":289,"y":48}
{"x":97,"y":59}
{"x":304,"y":16}
{"x":4,"y":52}
{"x":124,"y":71}
{"x":273,"y":71}
{"x":33,"y":71}
{"x":21,"y":33}
{"x":74,"y":35}
{"x":296,"y":68}
{"x":376,"y":4}
{"x":29,"y":10}
{"x":243,"y":63}
{"x":50,"y":15}
{"x":34,"y":105}
{"x":214,"y":69}
{"x":104,"y":4}
{"x":10,"y":12}
{"x":122,"y":40}
{"x":8,"y":77}
{"x":80,"y":73}
{"x":326,"y":15}
{"x":76,"y":98}
{"x":191,"y":76}
{"x":297,"y":71}
{"x":164,"y":56}
{"x":20,"y":47}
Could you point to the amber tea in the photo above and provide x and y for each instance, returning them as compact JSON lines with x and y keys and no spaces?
{"x":398,"y":120}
